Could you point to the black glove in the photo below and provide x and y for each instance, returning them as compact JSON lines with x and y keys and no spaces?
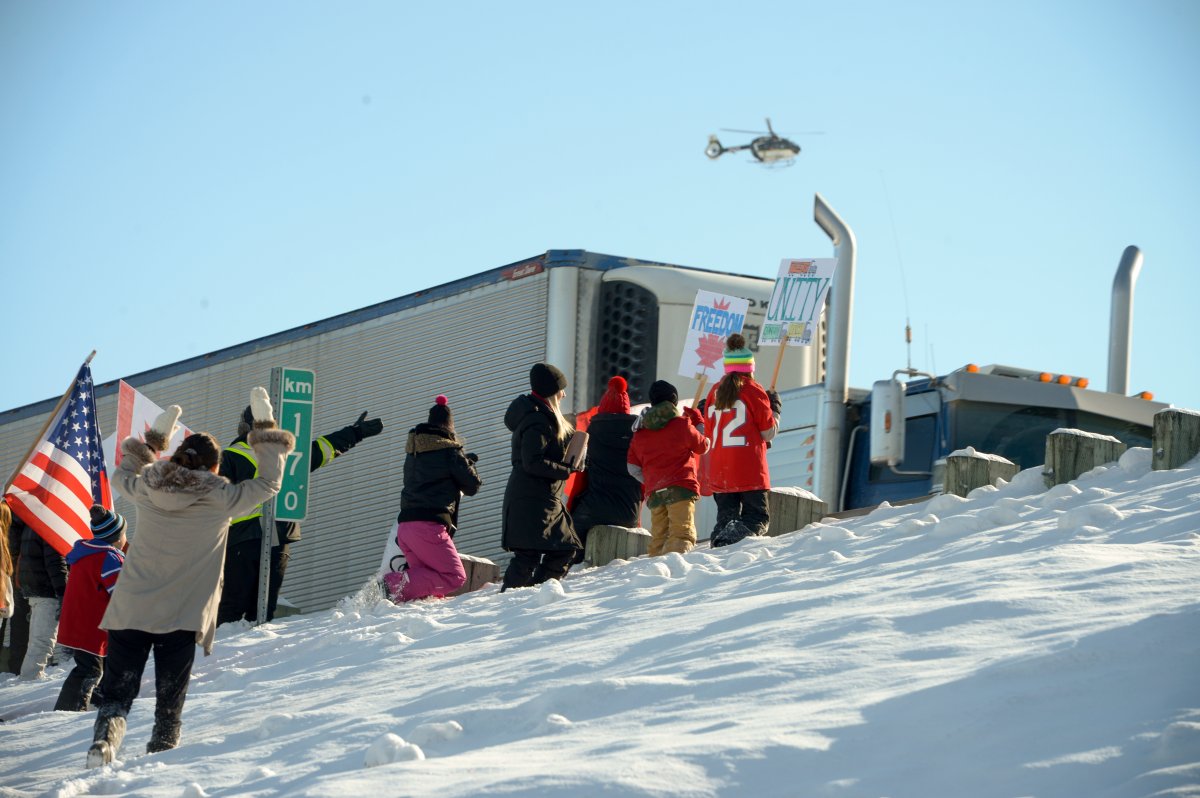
{"x":366,"y":427}
{"x":702,"y":406}
{"x":472,"y":458}
{"x":776,"y":402}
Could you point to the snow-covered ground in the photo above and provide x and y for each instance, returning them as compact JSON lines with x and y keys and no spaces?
{"x":1022,"y":642}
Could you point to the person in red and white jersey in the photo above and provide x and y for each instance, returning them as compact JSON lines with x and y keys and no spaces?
{"x":742,"y":418}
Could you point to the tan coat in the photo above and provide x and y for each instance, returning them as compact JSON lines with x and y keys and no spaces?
{"x":173,"y":569}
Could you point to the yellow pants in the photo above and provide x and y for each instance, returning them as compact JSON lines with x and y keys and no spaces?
{"x":673,"y":527}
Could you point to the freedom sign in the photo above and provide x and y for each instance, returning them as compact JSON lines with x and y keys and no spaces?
{"x":797,"y":300}
{"x":714,"y":318}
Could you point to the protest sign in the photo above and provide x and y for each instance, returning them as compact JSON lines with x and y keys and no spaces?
{"x":714,"y":318}
{"x":135,"y":415}
{"x":797,"y":301}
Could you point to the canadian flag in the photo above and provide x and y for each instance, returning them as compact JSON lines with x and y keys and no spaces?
{"x":135,"y":415}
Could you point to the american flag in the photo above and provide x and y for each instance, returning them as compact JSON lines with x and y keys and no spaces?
{"x":65,"y":475}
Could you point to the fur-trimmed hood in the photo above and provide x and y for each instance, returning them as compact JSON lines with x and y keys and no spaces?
{"x":172,"y":487}
{"x":430,"y":438}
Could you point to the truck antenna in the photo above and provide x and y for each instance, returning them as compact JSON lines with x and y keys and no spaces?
{"x":899,"y":260}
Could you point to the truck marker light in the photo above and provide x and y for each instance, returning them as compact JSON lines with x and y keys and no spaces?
{"x":972,"y":368}
{"x":1063,"y":379}
{"x":1145,"y":395}
{"x":1082,"y":382}
{"x":1044,"y":377}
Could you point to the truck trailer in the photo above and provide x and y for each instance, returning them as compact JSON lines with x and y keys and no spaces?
{"x":473,"y":340}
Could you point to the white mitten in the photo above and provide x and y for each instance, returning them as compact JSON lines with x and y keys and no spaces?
{"x":260,"y":405}
{"x":165,"y":424}
{"x":163,"y":428}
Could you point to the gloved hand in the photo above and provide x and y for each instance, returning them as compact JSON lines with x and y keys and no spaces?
{"x":366,"y":427}
{"x":164,"y":428}
{"x":776,"y":402}
{"x":702,"y":406}
{"x":472,"y":458}
{"x":260,"y":405}
{"x":695,"y":416}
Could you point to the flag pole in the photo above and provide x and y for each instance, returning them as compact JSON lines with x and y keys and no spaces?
{"x":21,"y":463}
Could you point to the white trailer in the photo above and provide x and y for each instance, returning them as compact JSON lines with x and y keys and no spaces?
{"x":472,"y":339}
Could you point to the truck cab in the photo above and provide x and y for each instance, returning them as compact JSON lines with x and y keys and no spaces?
{"x":996,"y":410}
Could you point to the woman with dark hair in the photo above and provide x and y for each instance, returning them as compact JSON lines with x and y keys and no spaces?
{"x":166,"y":598}
{"x":537,"y":528}
{"x":436,"y":475}
{"x":742,"y":419}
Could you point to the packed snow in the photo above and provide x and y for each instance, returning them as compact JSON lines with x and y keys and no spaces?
{"x":1020,"y":642}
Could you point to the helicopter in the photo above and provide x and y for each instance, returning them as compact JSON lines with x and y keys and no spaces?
{"x":769,"y":149}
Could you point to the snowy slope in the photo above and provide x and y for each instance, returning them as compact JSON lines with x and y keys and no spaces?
{"x":1021,"y":642}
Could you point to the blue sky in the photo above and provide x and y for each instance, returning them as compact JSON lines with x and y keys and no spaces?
{"x":180,"y":177}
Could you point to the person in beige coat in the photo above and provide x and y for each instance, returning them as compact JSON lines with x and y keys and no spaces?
{"x":166,"y":600}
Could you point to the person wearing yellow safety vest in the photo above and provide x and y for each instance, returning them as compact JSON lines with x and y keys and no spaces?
{"x":239,"y":596}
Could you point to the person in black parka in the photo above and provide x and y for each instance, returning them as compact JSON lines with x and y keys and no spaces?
{"x":437,"y":473}
{"x":610,"y":495}
{"x":537,"y":528}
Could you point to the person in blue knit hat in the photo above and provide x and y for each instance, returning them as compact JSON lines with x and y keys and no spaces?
{"x":94,"y":564}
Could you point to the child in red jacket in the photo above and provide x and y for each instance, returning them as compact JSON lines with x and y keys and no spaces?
{"x":742,"y":418}
{"x":662,"y":457}
{"x":95,"y":564}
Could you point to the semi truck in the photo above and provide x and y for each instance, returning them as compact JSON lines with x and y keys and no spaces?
{"x":593,"y":316}
{"x":856,"y":448}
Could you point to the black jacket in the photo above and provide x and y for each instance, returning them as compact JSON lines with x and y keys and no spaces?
{"x":436,"y":474}
{"x":237,"y":468}
{"x":611,"y":495}
{"x":42,"y":571}
{"x":534,"y":514}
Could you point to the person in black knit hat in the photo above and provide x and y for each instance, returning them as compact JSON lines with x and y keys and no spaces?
{"x":239,"y":596}
{"x":537,"y":527}
{"x":436,"y":475}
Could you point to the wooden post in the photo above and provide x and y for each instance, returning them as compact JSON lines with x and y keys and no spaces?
{"x":783,"y":339}
{"x":1176,"y":437}
{"x":967,"y":470}
{"x":480,"y":572}
{"x":792,"y":509}
{"x":1072,"y":452}
{"x":608,"y":543}
{"x":702,"y":380}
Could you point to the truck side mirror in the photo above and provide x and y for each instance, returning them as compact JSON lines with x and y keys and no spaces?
{"x":887,"y":422}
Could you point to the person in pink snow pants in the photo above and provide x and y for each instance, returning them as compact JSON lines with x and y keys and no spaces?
{"x":437,"y":473}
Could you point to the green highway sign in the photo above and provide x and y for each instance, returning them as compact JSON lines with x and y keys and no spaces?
{"x":296,"y":391}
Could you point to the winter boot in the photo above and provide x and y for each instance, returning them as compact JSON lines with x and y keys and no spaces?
{"x":106,"y":740}
{"x":164,"y":737}
{"x":394,"y":583}
{"x":733,"y":532}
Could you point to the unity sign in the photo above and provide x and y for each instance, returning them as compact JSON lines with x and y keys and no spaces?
{"x":797,"y":301}
{"x":714,"y":318}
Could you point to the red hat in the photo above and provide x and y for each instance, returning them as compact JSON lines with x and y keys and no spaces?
{"x":616,"y":398}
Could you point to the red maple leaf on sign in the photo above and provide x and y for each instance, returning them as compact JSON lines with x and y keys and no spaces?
{"x":710,"y":350}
